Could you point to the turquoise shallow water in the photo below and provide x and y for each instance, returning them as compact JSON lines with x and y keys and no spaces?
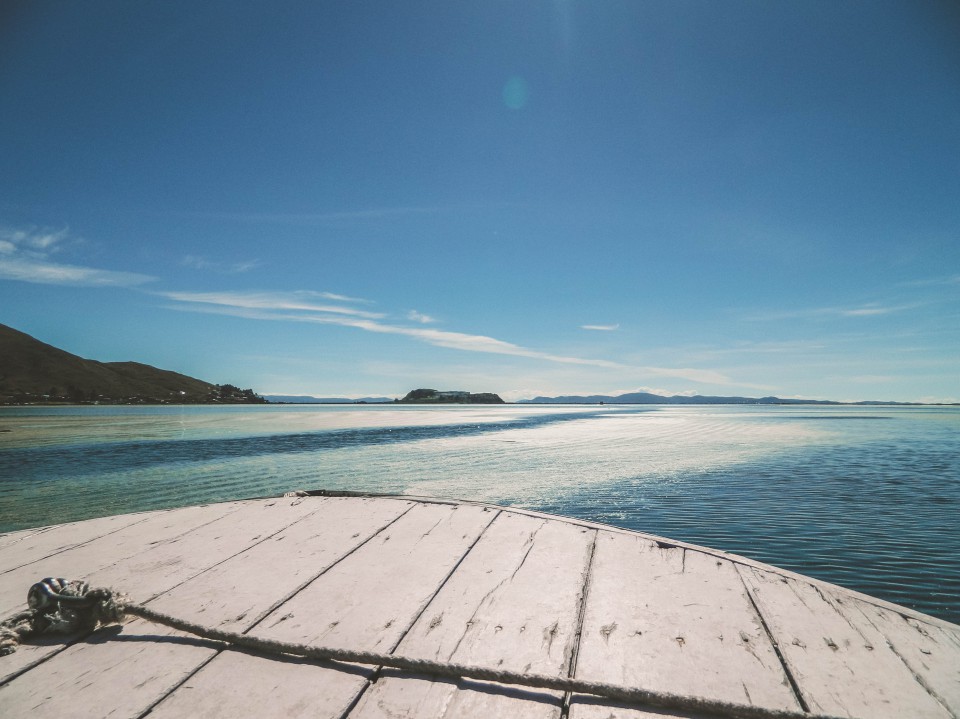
{"x":864,"y":497}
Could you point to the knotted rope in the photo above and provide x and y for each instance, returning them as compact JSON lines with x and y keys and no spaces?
{"x":65,"y":607}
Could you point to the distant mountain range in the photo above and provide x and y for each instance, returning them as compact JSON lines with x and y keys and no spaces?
{"x":647,"y":398}
{"x":307,"y":399}
{"x":32,"y":372}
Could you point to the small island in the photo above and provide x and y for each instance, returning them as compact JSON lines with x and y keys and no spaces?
{"x":432,"y":396}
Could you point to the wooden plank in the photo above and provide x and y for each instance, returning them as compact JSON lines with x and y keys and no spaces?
{"x":741,"y":560}
{"x":367,"y":601}
{"x":81,"y":561}
{"x":929,"y":651}
{"x":512,"y":604}
{"x":171,"y":554}
{"x":16,"y":536}
{"x":169,"y":562}
{"x":140,"y":660}
{"x":584,"y":707}
{"x":397,"y":694}
{"x":226,"y":689}
{"x":238,"y":593}
{"x":31,"y":546}
{"x":837,"y":668}
{"x":329,"y":527}
{"x":678,"y":621}
{"x":371,"y":598}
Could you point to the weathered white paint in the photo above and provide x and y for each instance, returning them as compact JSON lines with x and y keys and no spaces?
{"x":513,"y":603}
{"x":368,"y":600}
{"x":839,"y":668}
{"x":20,"y":548}
{"x":462,"y":582}
{"x":676,"y":620}
{"x":85,"y":559}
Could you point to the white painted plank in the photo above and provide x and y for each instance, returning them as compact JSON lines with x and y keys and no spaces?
{"x":172,"y":553}
{"x":168,"y":562}
{"x":397,"y":694}
{"x":928,"y":650}
{"x":513,"y":604}
{"x":371,"y":598}
{"x":677,"y":621}
{"x":237,"y":684}
{"x":32,"y":546}
{"x":238,"y":593}
{"x":838,"y":669}
{"x":330,"y":527}
{"x":18,"y":535}
{"x":366,"y":601}
{"x":140,"y":660}
{"x":82,"y":561}
{"x":584,"y":707}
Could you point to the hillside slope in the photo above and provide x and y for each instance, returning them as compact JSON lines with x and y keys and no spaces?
{"x":33,"y":371}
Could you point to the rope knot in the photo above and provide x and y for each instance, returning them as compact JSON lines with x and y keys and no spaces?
{"x":61,"y":606}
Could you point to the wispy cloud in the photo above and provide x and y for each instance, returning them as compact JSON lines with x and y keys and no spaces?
{"x":323,"y":217}
{"x":280,"y":307}
{"x":415,"y":316}
{"x":34,"y":242}
{"x":271,"y":301}
{"x":866,"y":310}
{"x":42,"y":240}
{"x":50,"y":273}
{"x":343,"y":298}
{"x":601,"y":328}
{"x":934,"y":281}
{"x":198,"y":262}
{"x":24,"y":256}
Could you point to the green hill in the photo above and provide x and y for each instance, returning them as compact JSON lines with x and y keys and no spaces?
{"x":32,"y":371}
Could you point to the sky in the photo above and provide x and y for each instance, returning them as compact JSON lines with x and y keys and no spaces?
{"x":529,"y":198}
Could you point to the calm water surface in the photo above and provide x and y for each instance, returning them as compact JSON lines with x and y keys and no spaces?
{"x":864,"y":497}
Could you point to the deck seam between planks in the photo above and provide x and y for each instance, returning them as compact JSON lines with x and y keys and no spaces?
{"x":61,"y":550}
{"x":235,"y":554}
{"x":737,"y":559}
{"x":578,"y":631}
{"x":916,"y":675}
{"x":794,"y":685}
{"x":378,"y":670}
{"x":83,"y":635}
{"x":273,"y":607}
{"x":69,"y":641}
{"x":291,"y":594}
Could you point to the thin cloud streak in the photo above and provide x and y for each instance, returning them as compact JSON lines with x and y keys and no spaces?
{"x":869,"y":310}
{"x":415,"y":316}
{"x":339,"y":298}
{"x":24,"y":253}
{"x":199,"y":262}
{"x":601,"y":328}
{"x":933,"y":282}
{"x":266,"y":301}
{"x":49,"y":273}
{"x":320,"y":217}
{"x":275,"y":308}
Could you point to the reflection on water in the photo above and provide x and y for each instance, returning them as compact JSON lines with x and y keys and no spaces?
{"x":866,"y":503}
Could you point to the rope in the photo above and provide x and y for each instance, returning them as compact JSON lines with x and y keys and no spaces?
{"x":61,"y":606}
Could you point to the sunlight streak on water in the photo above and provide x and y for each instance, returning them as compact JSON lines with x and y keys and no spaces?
{"x":866,"y":498}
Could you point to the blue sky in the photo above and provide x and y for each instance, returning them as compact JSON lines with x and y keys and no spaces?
{"x":521,"y":197}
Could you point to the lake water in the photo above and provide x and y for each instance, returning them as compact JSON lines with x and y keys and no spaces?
{"x":866,"y":497}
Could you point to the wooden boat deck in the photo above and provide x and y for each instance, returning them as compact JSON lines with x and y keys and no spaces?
{"x":454,"y":581}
